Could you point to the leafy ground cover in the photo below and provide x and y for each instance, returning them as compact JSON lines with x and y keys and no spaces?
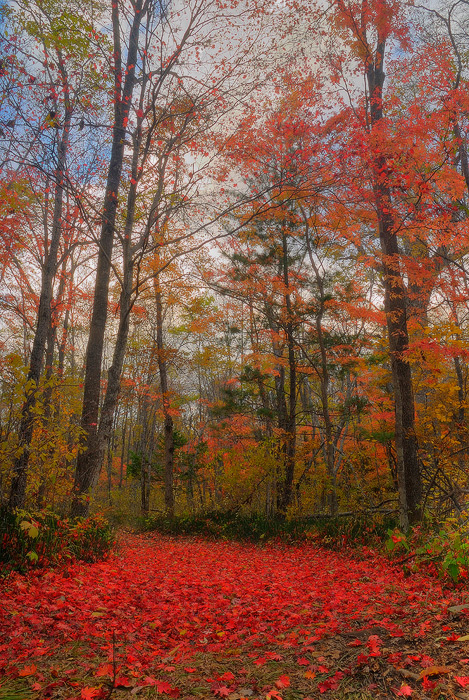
{"x":189,"y":618}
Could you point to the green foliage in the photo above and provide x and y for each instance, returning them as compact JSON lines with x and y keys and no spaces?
{"x":134,"y":465}
{"x":137,"y":460}
{"x":44,"y":538}
{"x":234,"y":400}
{"x":65,"y":28}
{"x":179,"y":439}
{"x":355,"y":406}
{"x":191,"y":460}
{"x":363,"y":528}
{"x":444,"y":551}
{"x":332,"y":532}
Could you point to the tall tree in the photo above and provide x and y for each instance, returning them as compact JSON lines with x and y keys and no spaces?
{"x":125,"y":77}
{"x":368,"y":28}
{"x":46,"y":24}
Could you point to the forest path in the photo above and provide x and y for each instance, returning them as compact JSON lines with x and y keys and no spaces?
{"x":190,"y":618}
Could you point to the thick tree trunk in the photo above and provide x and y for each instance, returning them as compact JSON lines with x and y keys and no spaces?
{"x":106,"y":419}
{"x":410,"y":485}
{"x":89,"y":460}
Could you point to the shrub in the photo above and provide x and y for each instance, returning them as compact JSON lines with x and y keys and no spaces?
{"x":44,"y":538}
{"x":91,"y":538}
{"x":444,"y":550}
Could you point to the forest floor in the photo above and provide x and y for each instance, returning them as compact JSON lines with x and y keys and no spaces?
{"x":189,"y":618}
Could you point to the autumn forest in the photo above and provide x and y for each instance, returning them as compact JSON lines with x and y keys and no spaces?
{"x":234,"y":349}
{"x":234,"y":249}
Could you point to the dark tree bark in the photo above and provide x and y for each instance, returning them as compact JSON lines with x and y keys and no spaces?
{"x":168,"y":427}
{"x":286,"y":493}
{"x":395,"y":304}
{"x":25,"y":434}
{"x":88,"y":462}
{"x":106,"y":419}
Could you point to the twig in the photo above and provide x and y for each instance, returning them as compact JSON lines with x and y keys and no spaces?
{"x":408,"y":674}
{"x":112,"y":683}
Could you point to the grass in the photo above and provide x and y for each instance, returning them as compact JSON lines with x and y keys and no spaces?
{"x":15,"y":690}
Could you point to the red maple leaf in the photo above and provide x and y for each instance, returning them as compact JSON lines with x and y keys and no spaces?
{"x":273,"y":694}
{"x":362,"y":658}
{"x":373,"y":644}
{"x":149,"y":680}
{"x":122,"y":682}
{"x":282,"y":682}
{"x":228,"y":676}
{"x":163,"y":687}
{"x":427,"y":684}
{"x":90,"y":693}
{"x":28,"y":671}
{"x":104,"y":670}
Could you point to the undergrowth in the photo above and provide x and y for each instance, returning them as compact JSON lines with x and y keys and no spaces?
{"x":44,"y":538}
{"x":440,"y":549}
{"x":331,"y":532}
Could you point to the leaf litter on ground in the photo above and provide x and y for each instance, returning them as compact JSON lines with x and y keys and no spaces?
{"x":189,"y":618}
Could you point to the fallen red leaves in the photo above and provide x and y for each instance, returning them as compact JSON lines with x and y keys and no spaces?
{"x":144,"y":615}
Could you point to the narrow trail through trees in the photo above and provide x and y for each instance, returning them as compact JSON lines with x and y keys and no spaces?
{"x":195,"y":619}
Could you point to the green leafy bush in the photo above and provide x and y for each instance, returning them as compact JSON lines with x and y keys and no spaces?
{"x":44,"y":538}
{"x":444,"y":551}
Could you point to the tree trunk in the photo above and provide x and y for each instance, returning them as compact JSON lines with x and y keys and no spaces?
{"x":25,"y":434}
{"x":145,"y":488}
{"x":89,"y":460}
{"x":290,"y":416}
{"x":168,"y":428}
{"x":106,"y":419}
{"x":395,"y":304}
{"x":124,"y":435}
{"x":329,"y":450}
